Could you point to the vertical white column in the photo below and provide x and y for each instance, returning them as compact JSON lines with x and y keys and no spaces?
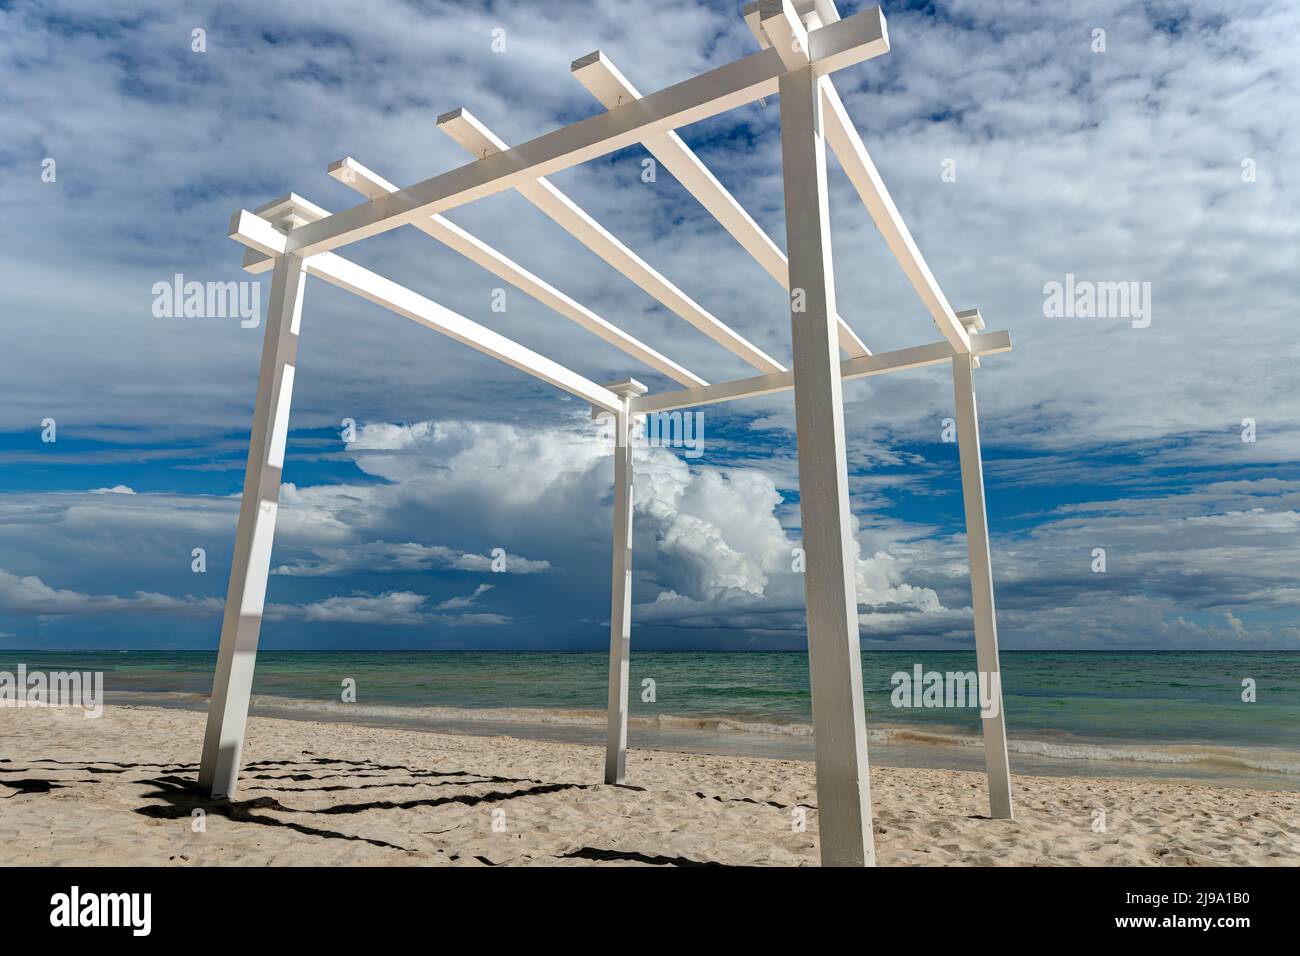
{"x":830,"y":587}
{"x":251,"y":562}
{"x":620,"y":612}
{"x":981,"y":586}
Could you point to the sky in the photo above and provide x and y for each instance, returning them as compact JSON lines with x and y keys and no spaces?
{"x":1024,"y":143}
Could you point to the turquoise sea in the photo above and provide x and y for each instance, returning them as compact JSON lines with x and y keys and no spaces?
{"x":1152,"y":714}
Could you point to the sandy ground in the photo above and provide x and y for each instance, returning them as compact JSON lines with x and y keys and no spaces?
{"x":119,"y":790}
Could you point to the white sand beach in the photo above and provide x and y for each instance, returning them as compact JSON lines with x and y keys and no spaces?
{"x":119,"y":790}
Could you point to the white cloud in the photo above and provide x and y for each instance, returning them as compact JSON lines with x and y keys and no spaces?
{"x":467,"y":600}
{"x":391,"y":608}
{"x":380,"y":556}
{"x":31,"y":595}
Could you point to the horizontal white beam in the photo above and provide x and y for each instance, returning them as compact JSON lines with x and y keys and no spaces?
{"x":607,"y":83}
{"x":369,"y":183}
{"x":475,"y":137}
{"x":936,"y":353}
{"x":833,"y":47}
{"x":258,"y":234}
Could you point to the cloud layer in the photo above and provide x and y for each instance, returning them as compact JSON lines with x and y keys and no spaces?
{"x":1168,"y":158}
{"x":499,"y":536}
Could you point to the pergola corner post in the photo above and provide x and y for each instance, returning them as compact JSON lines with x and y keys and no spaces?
{"x":620,"y":613}
{"x":251,"y":562}
{"x":830,"y":587}
{"x":981,"y":586}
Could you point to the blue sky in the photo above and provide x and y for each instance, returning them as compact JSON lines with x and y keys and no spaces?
{"x":1122,"y":165}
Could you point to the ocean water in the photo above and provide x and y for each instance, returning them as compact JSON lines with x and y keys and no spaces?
{"x":1152,"y":714}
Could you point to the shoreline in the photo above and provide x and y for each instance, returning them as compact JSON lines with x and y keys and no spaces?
{"x":934,"y":746}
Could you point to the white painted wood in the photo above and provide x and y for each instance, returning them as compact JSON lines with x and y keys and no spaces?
{"x":608,"y":85}
{"x":843,"y":138}
{"x":620,"y":614}
{"x":830,"y":588}
{"x":232,"y":685}
{"x":834,"y":47}
{"x":846,"y":143}
{"x":920,"y":356}
{"x":258,"y":234}
{"x":253,"y":232}
{"x":806,"y":41}
{"x":784,"y":31}
{"x":813,"y":13}
{"x":476,"y":138}
{"x":351,"y":173}
{"x":981,"y":585}
{"x":973,"y":322}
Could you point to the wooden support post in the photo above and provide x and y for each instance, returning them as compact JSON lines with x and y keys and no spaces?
{"x":620,"y":613}
{"x":981,"y":587}
{"x":251,"y":562}
{"x":830,"y":588}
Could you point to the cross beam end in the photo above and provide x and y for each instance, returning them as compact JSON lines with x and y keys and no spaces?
{"x":466,"y":129}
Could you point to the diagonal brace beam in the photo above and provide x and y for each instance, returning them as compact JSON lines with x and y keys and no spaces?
{"x":476,"y":138}
{"x":844,"y":140}
{"x":351,"y":173}
{"x":258,"y":234}
{"x":608,"y":85}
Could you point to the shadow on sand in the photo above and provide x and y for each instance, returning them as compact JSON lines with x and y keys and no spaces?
{"x":173,"y":794}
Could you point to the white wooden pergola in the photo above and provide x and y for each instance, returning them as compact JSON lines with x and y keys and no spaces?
{"x":803,"y":42}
